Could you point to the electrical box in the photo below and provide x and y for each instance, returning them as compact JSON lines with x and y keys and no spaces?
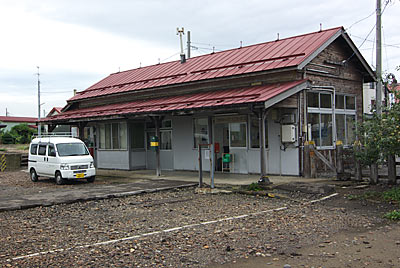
{"x":288,"y":133}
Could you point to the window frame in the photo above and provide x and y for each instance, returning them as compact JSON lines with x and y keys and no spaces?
{"x":109,"y":126}
{"x":266,"y":145}
{"x":163,"y":129}
{"x":196,"y":146}
{"x":334,"y":111}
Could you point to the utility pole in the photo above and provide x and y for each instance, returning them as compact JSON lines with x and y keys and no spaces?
{"x":378,"y":57}
{"x":38,"y":85}
{"x":188,"y":44}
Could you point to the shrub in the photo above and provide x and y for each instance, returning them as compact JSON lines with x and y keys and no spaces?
{"x":7,"y":138}
{"x":393,"y":215}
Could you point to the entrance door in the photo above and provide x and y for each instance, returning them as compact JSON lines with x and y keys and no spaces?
{"x":231,"y":134}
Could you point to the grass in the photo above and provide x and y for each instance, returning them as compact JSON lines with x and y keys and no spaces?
{"x":3,"y":150}
{"x":23,"y":147}
{"x":365,"y":196}
{"x":393,"y":215}
{"x":254,"y":187}
{"x":391,"y":195}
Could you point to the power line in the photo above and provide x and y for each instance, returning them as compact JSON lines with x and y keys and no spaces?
{"x":360,"y":20}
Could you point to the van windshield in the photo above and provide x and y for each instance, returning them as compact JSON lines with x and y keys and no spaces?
{"x":71,"y":149}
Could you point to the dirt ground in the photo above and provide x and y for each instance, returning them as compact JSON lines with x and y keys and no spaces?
{"x":222,"y":230}
{"x":368,"y":246}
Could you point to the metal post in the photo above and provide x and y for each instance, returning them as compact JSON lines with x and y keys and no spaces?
{"x":200,"y":169}
{"x":378,"y":58}
{"x":188,"y":44}
{"x":212,"y":166}
{"x":261,"y":134}
{"x":38,"y":85}
{"x":158,"y":164}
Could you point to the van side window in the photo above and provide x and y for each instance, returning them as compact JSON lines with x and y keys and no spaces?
{"x":52,"y":150}
{"x":34,"y":149}
{"x":42,"y":150}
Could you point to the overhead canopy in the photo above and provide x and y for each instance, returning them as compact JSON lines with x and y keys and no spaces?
{"x":265,"y":94}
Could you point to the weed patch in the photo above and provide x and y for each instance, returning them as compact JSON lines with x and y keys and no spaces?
{"x":393,"y":215}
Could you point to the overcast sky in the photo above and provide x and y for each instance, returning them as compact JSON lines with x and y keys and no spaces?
{"x":78,"y":42}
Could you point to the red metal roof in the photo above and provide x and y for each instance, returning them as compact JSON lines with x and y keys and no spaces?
{"x":288,"y":52}
{"x":54,"y":111}
{"x":182,"y":102}
{"x":18,"y":119}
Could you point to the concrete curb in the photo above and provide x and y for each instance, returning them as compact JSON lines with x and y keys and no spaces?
{"x":95,"y":197}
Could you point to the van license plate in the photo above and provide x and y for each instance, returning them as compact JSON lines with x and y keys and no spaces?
{"x":80,"y":175}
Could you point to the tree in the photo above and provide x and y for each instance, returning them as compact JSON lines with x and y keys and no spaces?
{"x":22,"y":133}
{"x":379,"y":136}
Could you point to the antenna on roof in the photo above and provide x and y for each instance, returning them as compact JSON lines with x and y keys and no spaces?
{"x":320,"y":27}
{"x":159,"y":60}
{"x":213,"y":50}
{"x":277,"y":37}
{"x":241,"y":43}
{"x":140,"y":64}
{"x":181,"y":32}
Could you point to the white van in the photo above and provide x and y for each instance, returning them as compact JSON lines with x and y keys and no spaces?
{"x":62,"y":158}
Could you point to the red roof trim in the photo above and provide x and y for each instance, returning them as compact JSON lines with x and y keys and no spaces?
{"x":18,"y":119}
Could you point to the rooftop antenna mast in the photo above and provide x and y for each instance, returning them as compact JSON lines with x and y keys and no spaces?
{"x":181,"y":32}
{"x":38,"y":87}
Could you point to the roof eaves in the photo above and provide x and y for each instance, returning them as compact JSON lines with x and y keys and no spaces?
{"x":269,"y":103}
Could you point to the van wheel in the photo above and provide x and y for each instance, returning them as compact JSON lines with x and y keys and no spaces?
{"x":33,"y":175}
{"x":59,"y":179}
{"x":91,"y":179}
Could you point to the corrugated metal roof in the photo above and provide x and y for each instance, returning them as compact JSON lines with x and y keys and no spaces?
{"x":288,"y":52}
{"x":17,"y":119}
{"x":182,"y":102}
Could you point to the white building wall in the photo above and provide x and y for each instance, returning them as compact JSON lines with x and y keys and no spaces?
{"x":113,"y":159}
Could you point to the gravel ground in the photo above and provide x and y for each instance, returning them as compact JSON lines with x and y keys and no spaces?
{"x":71,"y":230}
{"x":70,"y":226}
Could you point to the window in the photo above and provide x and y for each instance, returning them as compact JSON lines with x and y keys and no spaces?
{"x":345,"y":119}
{"x":313,"y":99}
{"x":350,"y":127}
{"x":52,"y":150}
{"x":137,"y":135}
{"x":113,"y":136}
{"x":34,"y":149}
{"x":72,"y":149}
{"x":320,"y":118}
{"x":238,"y":135}
{"x":326,"y":101}
{"x":314,"y":127}
{"x":339,"y":102}
{"x":350,"y":103}
{"x":165,"y":139}
{"x":326,"y":130}
{"x":200,"y":131}
{"x":255,"y":133}
{"x":42,"y":150}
